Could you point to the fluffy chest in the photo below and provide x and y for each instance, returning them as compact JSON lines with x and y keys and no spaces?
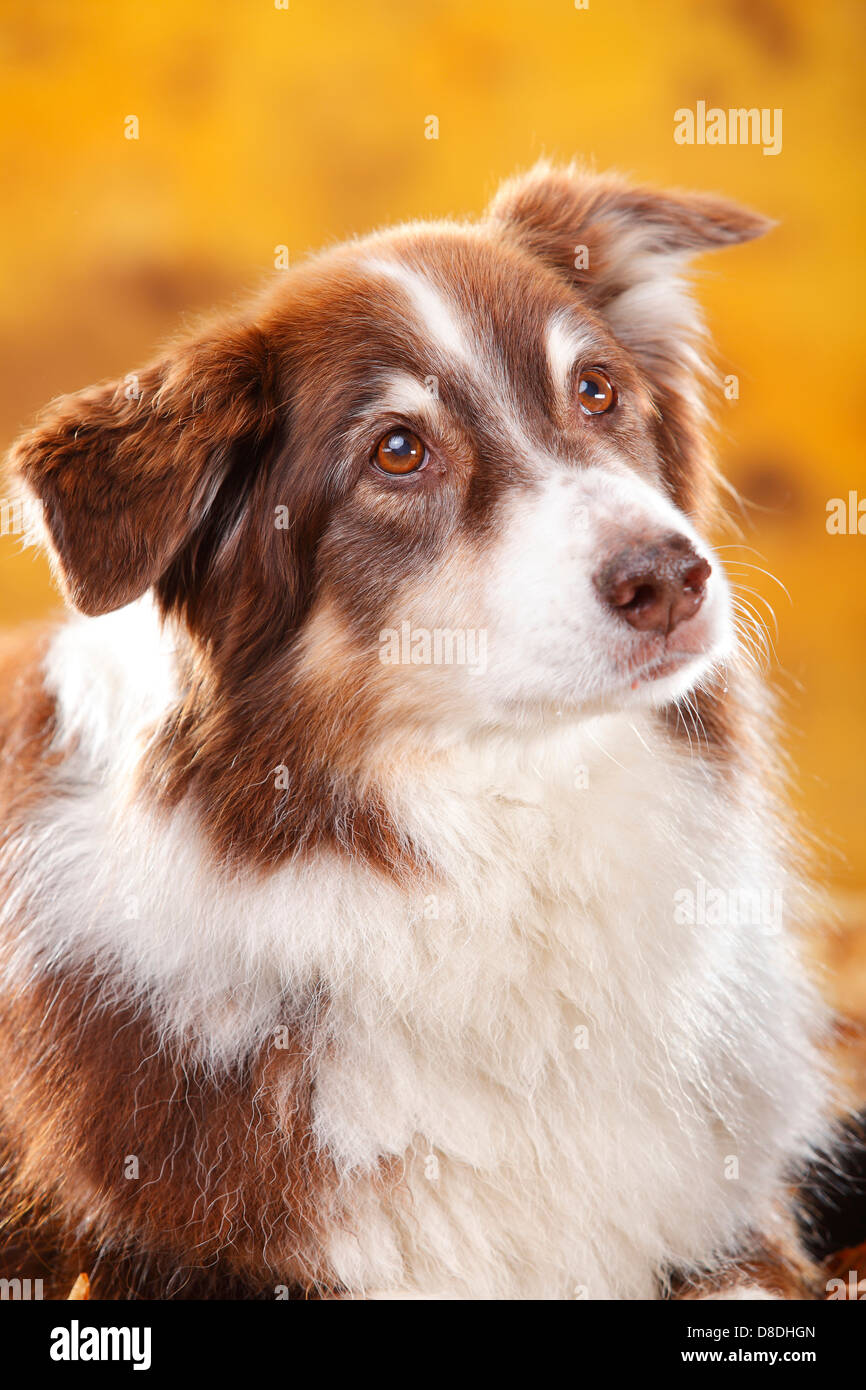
{"x":529,"y":1071}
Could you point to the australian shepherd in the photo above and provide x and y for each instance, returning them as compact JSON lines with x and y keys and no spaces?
{"x":397,"y":895}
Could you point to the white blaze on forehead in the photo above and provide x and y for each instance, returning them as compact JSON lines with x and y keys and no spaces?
{"x":409,"y":395}
{"x":434,"y":311}
{"x":567,"y":342}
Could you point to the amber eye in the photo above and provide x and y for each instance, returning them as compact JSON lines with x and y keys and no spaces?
{"x":401,"y":451}
{"x":595,"y":392}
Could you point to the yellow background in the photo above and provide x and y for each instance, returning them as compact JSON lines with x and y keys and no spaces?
{"x":261,"y":126}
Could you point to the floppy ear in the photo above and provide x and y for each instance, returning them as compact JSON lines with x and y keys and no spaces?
{"x":127,"y":471}
{"x":622,"y":247}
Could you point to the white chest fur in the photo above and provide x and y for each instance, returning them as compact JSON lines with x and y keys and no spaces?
{"x":578,"y":1085}
{"x":592,"y":1052}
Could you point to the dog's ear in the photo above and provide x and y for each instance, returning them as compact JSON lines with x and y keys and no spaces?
{"x":622,"y":247}
{"x":604,"y":233}
{"x":126,"y":472}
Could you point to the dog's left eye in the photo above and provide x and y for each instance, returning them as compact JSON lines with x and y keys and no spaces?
{"x":400,"y":451}
{"x":594,"y":392}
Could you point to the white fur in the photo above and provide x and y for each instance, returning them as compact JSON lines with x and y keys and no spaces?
{"x":559,"y":1170}
{"x":550,"y":645}
{"x":442,"y":326}
{"x":438,"y":317}
{"x":566,"y":342}
{"x":561,"y":824}
{"x":550,"y":639}
{"x":403,"y":394}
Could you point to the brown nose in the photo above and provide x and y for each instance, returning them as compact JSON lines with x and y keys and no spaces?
{"x":654,"y":587}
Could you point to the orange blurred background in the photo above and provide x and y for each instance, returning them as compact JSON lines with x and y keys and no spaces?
{"x":262,"y":126}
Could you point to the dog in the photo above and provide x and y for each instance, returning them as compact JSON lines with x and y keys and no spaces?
{"x":399,"y":896}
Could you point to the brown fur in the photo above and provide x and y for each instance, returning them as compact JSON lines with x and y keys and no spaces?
{"x":170,"y":481}
{"x":231,"y":1191}
{"x":779,"y":1267}
{"x":27,"y":728}
{"x":177,"y":487}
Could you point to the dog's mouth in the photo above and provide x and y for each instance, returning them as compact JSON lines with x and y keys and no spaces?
{"x":667,"y":665}
{"x":654,"y":660}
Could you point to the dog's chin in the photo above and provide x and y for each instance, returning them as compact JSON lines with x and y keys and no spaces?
{"x":672,"y":674}
{"x":670,"y":681}
{"x":665,"y":672}
{"x":656,"y":685}
{"x":648,"y":672}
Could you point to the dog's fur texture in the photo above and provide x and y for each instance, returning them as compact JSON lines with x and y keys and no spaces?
{"x":355,"y":979}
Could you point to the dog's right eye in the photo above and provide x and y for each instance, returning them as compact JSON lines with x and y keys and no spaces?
{"x":594,"y":392}
{"x":399,"y":451}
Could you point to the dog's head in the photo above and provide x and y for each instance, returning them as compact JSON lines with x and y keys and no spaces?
{"x":452,"y":474}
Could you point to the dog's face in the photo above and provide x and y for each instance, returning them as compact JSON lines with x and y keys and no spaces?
{"x":449,"y":476}
{"x":506,"y":539}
